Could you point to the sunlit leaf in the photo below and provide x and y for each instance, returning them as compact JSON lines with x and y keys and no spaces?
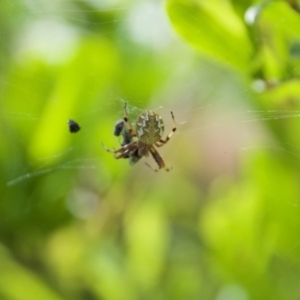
{"x":214,"y":29}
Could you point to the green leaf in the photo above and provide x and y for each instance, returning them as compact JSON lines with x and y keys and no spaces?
{"x":214,"y":29}
{"x":279,"y":27}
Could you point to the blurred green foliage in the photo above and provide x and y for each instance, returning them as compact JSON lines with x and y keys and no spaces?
{"x":77,"y":224}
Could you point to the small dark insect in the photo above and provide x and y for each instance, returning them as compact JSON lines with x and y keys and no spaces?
{"x":73,"y":126}
{"x":120,"y":129}
{"x":134,"y":157}
{"x":148,"y":132}
{"x":119,"y":126}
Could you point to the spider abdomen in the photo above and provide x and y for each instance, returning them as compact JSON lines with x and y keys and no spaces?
{"x":149,"y":127}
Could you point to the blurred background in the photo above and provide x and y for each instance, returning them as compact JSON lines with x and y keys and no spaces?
{"x":75,"y":223}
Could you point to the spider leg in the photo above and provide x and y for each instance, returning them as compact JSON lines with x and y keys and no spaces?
{"x":107,"y":149}
{"x":124,"y":151}
{"x":123,"y":155}
{"x":163,"y":142}
{"x":155,"y":170}
{"x":127,"y":122}
{"x":158,"y":159}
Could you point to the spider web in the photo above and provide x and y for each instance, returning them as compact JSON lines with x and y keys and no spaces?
{"x":138,"y":24}
{"x":202,"y":102}
{"x":206,"y":106}
{"x":212,"y":108}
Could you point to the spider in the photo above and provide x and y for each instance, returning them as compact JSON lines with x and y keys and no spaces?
{"x":149,"y":130}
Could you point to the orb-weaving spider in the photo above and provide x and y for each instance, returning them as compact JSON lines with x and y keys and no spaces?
{"x":149,"y":129}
